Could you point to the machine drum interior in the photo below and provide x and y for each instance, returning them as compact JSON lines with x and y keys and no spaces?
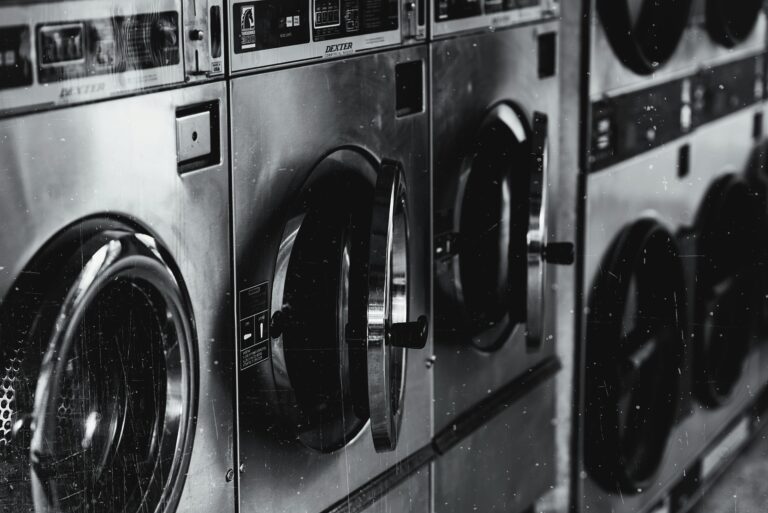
{"x":728,"y":244}
{"x":324,"y":291}
{"x":636,"y":331}
{"x":730,"y":23}
{"x":97,"y":386}
{"x":644,"y":34}
{"x":493,"y":227}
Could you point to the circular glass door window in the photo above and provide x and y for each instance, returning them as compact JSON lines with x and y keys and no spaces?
{"x":636,"y":331}
{"x":730,"y":23}
{"x":102,"y":382}
{"x":485,"y":277}
{"x":644,"y":34}
{"x":341,"y":297}
{"x":729,"y":241}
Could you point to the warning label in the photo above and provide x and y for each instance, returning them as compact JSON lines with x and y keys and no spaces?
{"x":253,"y":329}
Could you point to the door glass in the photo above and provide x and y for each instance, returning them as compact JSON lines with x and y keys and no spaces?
{"x":324,"y":291}
{"x":494,"y":226}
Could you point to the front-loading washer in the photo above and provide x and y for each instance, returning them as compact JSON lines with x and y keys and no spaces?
{"x":495,"y":99}
{"x":116,"y":366}
{"x":664,"y":160}
{"x":331,"y":195}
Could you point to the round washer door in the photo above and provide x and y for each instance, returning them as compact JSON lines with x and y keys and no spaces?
{"x":729,"y":240}
{"x":341,"y":301}
{"x":636,"y":331}
{"x":644,"y":33}
{"x":389,"y":333}
{"x":495,"y":273}
{"x":730,"y":23}
{"x":110,"y":424}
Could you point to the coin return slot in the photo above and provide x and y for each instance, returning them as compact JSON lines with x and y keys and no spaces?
{"x":197,"y":137}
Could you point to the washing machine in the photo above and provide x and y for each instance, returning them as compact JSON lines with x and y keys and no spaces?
{"x":277,"y":33}
{"x":668,"y":361}
{"x":116,"y":382}
{"x":331,"y":195}
{"x":495,"y":100}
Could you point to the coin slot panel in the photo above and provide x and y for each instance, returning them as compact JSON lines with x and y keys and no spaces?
{"x":198,"y":137}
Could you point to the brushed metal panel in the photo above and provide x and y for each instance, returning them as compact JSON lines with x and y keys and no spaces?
{"x":494,"y":67}
{"x":283,"y":123}
{"x":119,"y":158}
{"x":648,"y":185}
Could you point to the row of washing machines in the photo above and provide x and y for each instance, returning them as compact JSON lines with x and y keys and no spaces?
{"x":317,"y":255}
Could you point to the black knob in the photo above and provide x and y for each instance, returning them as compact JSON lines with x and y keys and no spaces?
{"x":560,"y":253}
{"x":410,"y":335}
{"x":277,"y":324}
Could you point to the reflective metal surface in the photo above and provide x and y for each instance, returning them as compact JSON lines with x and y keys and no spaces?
{"x":492,"y":467}
{"x":85,"y":449}
{"x":387,"y":306}
{"x":458,"y":111}
{"x":95,"y":166}
{"x":649,"y":186}
{"x":339,"y":118}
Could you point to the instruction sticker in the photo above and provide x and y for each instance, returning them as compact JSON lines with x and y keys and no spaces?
{"x":247,"y":27}
{"x":253,"y":329}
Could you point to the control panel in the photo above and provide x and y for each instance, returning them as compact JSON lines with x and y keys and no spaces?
{"x":630,"y":124}
{"x":453,"y":16}
{"x":61,"y":53}
{"x":105,"y":46}
{"x":268,"y":33}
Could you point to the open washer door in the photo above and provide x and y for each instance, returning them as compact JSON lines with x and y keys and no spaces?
{"x":730,"y":23}
{"x":491,"y":266}
{"x":729,"y":241}
{"x":340,"y":304}
{"x":644,"y":33}
{"x":110,"y":424}
{"x":635,"y":337}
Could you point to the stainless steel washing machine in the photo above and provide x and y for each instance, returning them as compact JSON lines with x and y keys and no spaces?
{"x":331,"y":191}
{"x":495,"y":99}
{"x":116,"y":380}
{"x":667,"y":332}
{"x":273,"y":33}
